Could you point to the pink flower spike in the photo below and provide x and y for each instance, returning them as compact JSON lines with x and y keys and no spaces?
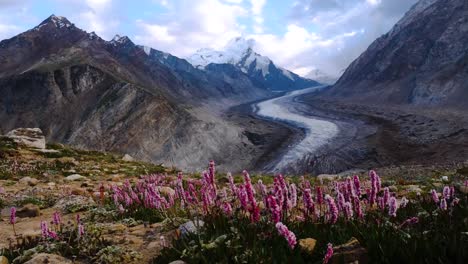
{"x":13,"y":215}
{"x":284,"y":231}
{"x":56,"y":218}
{"x":392,"y":206}
{"x":329,"y":253}
{"x":443,"y":204}
{"x":81,"y":230}
{"x":446,"y":192}
{"x":332,"y":209}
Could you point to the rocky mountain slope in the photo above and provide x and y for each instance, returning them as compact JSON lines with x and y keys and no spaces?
{"x":422,"y":61}
{"x":260,"y":69}
{"x":111,"y":95}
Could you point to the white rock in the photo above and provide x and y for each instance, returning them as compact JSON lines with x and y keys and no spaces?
{"x":31,"y":137}
{"x":29,"y":181}
{"x":127,"y":157}
{"x":75,"y":177}
{"x":191,"y":227}
{"x":445,"y":178}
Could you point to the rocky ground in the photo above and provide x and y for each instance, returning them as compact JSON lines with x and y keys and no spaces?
{"x":41,"y":180}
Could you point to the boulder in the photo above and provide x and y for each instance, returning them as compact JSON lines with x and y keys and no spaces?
{"x":3,"y":260}
{"x":30,"y":137}
{"x":48,"y":258}
{"x":74,"y":203}
{"x":127,"y":157}
{"x":166,"y":190}
{"x":28,"y":210}
{"x":75,"y":177}
{"x":307,"y":245}
{"x":178,"y":262}
{"x":328,"y":177}
{"x":350,"y":252}
{"x":29,"y":181}
{"x":190,"y":227}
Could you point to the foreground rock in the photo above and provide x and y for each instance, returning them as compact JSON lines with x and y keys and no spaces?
{"x":75,"y":177}
{"x":29,"y":210}
{"x":49,"y":259}
{"x":31,"y":137}
{"x":74,"y":203}
{"x":28,"y":181}
{"x":351,"y":252}
{"x":127,"y":157}
{"x":3,"y":260}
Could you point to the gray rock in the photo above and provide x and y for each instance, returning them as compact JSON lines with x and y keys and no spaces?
{"x":48,"y":258}
{"x":29,"y":181}
{"x":127,"y":157}
{"x":28,"y":210}
{"x":191,"y":227}
{"x":74,"y":203}
{"x":3,"y":260}
{"x":75,"y":177}
{"x":31,"y":137}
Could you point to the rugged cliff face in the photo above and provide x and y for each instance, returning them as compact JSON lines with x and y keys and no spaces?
{"x":112,"y":96}
{"x":422,"y":61}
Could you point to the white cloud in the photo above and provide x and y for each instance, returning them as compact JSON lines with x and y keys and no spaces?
{"x":191,"y":25}
{"x":8,"y":31}
{"x":299,"y":49}
{"x":257,"y":9}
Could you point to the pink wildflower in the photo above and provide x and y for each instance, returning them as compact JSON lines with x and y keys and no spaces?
{"x":348,"y":209}
{"x":275,"y":210}
{"x":290,"y":236}
{"x":332,"y":209}
{"x":329,"y":253}
{"x":446,"y":192}
{"x":443,"y":204}
{"x":386,"y":196}
{"x":392,"y":206}
{"x":227,"y":208}
{"x":44,"y":229}
{"x":56,"y":218}
{"x":12,"y":215}
{"x":81,"y":230}
{"x":308,"y":202}
{"x":293,"y":194}
{"x":319,"y":194}
{"x":358,"y":208}
{"x":357,"y":185}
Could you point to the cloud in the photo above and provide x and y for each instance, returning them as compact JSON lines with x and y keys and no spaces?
{"x":190,"y":25}
{"x":257,"y":9}
{"x":7,"y":31}
{"x":347,"y":26}
{"x":298,"y":35}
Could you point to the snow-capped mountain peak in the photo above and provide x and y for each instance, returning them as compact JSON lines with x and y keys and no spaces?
{"x":238,"y":51}
{"x":57,"y":21}
{"x":120,"y":40}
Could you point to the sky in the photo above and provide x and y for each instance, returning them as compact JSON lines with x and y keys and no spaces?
{"x":300,"y":35}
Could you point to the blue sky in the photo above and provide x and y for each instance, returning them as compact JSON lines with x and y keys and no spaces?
{"x":300,"y":35}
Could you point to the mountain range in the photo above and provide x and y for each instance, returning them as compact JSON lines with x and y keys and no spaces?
{"x":422,"y":61}
{"x":118,"y":96}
